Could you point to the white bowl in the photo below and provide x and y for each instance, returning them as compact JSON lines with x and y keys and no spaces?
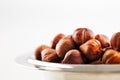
{"x":58,"y":71}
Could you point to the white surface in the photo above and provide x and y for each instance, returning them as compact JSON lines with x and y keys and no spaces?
{"x":25,"y":24}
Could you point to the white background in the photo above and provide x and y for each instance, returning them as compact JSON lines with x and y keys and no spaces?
{"x":25,"y":24}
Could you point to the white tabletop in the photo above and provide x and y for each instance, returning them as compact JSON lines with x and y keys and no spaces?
{"x":25,"y":24}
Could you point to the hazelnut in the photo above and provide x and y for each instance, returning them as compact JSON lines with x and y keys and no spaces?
{"x":49,"y":55}
{"x":56,"y":39}
{"x":91,"y":49}
{"x":73,"y":57}
{"x":111,"y":57}
{"x":115,"y":41}
{"x":81,"y":35}
{"x":39,"y":50}
{"x":103,"y":40}
{"x":104,"y":50}
{"x":63,"y":46}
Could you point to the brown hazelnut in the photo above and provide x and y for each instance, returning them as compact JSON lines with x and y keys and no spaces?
{"x":39,"y":50}
{"x":103,"y":40}
{"x":63,"y":46}
{"x":111,"y":57}
{"x":73,"y":57}
{"x":91,"y":49}
{"x":49,"y":55}
{"x":56,"y":39}
{"x":104,"y":50}
{"x":81,"y":35}
{"x":115,"y":41}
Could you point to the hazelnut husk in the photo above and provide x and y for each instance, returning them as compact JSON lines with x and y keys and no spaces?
{"x":73,"y":57}
{"x":56,"y":40}
{"x":63,"y":46}
{"x":81,"y":35}
{"x":103,"y":40}
{"x":49,"y":55}
{"x":39,"y":50}
{"x":111,"y":57}
{"x":115,"y":41}
{"x":91,"y":49}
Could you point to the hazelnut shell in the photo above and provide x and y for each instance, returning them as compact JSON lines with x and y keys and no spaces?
{"x":111,"y":57}
{"x":39,"y":50}
{"x":115,"y":41}
{"x":73,"y":57}
{"x":103,"y":40}
{"x":91,"y":49}
{"x":81,"y":35}
{"x":49,"y":55}
{"x":63,"y":46}
{"x":56,"y":39}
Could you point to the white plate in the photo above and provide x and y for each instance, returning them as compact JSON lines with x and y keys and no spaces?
{"x":58,"y":71}
{"x":28,"y":60}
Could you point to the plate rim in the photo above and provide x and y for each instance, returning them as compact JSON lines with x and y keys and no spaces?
{"x":28,"y":60}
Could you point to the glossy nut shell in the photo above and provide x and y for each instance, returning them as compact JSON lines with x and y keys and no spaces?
{"x":49,"y":55}
{"x":63,"y":46}
{"x":111,"y":57}
{"x":91,"y":49}
{"x":56,"y":39}
{"x":103,"y":40}
{"x":39,"y":50}
{"x":73,"y":57}
{"x":81,"y":35}
{"x":115,"y":41}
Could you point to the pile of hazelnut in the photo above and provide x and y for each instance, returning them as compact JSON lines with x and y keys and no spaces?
{"x":81,"y":47}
